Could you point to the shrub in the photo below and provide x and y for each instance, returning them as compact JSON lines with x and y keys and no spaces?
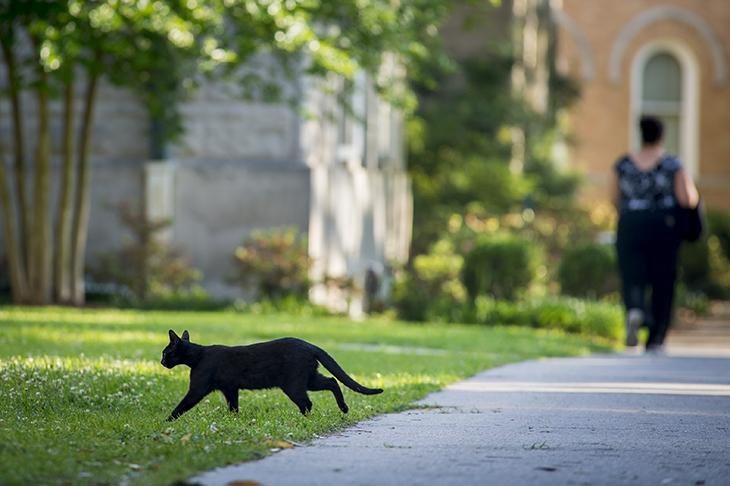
{"x":431,"y":289}
{"x":704,"y":266}
{"x":500,"y":312}
{"x":588,"y":271}
{"x":696,"y":303}
{"x":602,"y":319}
{"x":563,"y":313}
{"x":501,"y":266}
{"x":718,"y":224}
{"x":291,"y":305}
{"x":273,"y":264}
{"x":555,"y":313}
{"x":145,"y":268}
{"x":694,"y":264}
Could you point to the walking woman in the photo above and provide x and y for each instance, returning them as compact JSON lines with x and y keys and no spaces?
{"x":650,"y":185}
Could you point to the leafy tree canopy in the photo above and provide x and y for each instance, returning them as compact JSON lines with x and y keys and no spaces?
{"x":162,"y":48}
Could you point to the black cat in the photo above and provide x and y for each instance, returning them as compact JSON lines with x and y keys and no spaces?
{"x":288,"y":363}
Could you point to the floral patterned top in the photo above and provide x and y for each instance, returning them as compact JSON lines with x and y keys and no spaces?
{"x":647,"y":190}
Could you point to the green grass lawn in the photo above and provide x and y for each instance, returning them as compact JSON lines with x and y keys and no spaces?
{"x":83,"y":396}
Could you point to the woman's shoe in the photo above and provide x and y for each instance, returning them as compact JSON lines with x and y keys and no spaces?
{"x":655,"y":349}
{"x":634,"y":318}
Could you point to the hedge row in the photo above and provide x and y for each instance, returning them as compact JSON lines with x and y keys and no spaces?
{"x":564,"y":313}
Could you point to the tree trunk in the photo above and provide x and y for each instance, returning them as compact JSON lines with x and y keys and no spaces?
{"x":18,"y":148}
{"x":83,"y":186}
{"x":40,"y":261}
{"x":18,"y":280}
{"x":62,"y":256}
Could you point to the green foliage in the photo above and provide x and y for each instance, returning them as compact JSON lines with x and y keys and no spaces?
{"x":146,"y":269}
{"x":151,"y":47}
{"x":461,"y":142}
{"x":704,"y":268}
{"x":588,"y":270}
{"x":567,"y":314}
{"x":432,"y":290}
{"x":718,"y":223}
{"x":83,"y":397}
{"x":273,"y":264}
{"x":161,"y":49}
{"x":694,"y":264}
{"x":704,"y":265}
{"x":290,"y":305}
{"x":695,"y":302}
{"x":501,"y":266}
{"x":194,"y":299}
{"x":460,"y":145}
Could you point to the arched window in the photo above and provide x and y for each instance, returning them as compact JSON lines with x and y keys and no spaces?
{"x":664,"y":85}
{"x":661,"y":96}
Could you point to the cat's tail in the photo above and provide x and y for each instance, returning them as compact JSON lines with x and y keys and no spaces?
{"x":334,"y":368}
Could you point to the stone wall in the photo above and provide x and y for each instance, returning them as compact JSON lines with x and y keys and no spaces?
{"x":111,"y":185}
{"x":236,"y":167}
{"x":361,"y":205}
{"x":241,"y":166}
{"x":216,"y":205}
{"x":219,"y":125}
{"x":360,"y":220}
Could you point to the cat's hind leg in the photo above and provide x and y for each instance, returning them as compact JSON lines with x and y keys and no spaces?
{"x":298,"y":395}
{"x":319,"y":382}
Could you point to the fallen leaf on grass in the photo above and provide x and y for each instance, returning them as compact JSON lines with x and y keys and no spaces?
{"x":280,"y":444}
{"x":185,"y":438}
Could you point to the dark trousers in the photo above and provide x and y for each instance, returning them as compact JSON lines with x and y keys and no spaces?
{"x":647,"y":243}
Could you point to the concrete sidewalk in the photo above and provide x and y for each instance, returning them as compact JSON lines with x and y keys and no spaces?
{"x":597,"y":420}
{"x":704,"y":336}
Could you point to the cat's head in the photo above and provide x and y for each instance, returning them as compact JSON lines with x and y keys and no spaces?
{"x":174,"y":352}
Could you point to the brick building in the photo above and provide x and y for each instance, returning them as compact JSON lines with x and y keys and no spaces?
{"x":667,"y":58}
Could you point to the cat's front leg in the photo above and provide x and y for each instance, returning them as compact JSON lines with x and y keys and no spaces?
{"x":192,"y":398}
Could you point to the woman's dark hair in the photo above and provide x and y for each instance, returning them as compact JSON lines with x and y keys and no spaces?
{"x":651,"y":130}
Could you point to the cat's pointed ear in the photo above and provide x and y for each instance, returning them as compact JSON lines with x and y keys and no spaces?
{"x":186,"y":336}
{"x":173,"y":337}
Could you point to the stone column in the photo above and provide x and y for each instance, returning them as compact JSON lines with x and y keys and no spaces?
{"x":159,"y":194}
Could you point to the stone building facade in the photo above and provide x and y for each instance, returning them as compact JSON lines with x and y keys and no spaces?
{"x":667,"y":58}
{"x":337,"y":174}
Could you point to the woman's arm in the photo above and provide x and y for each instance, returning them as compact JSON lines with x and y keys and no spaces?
{"x":685,"y":189}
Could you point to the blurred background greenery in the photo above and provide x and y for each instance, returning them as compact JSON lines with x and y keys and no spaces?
{"x":500,"y":234}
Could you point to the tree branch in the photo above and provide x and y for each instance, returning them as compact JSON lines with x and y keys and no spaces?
{"x":62,"y":256}
{"x":14,"y":89}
